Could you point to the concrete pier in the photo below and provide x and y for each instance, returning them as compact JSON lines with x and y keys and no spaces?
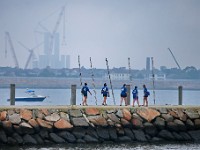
{"x":26,"y":125}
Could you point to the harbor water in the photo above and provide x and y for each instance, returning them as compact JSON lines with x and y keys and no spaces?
{"x":62,"y":97}
{"x":110,"y":146}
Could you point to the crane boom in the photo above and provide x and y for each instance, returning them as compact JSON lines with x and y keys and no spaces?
{"x":43,"y":27}
{"x":29,"y":59}
{"x":31,"y":52}
{"x":12,"y":49}
{"x":56,"y":27}
{"x":174,"y":58}
{"x":58,"y":21}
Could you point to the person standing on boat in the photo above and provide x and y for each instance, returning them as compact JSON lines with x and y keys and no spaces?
{"x":146,"y":94}
{"x":123,"y":95}
{"x":135,"y":96}
{"x":84,"y":92}
{"x":105,"y":93}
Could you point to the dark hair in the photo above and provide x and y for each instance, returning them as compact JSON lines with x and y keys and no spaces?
{"x":135,"y":86}
{"x":105,"y":84}
{"x":85,"y":83}
{"x":124,"y":85}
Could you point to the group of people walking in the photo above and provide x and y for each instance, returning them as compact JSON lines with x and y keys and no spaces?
{"x":123,"y":94}
{"x":135,"y":96}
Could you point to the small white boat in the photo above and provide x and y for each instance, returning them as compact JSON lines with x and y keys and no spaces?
{"x":31,"y":98}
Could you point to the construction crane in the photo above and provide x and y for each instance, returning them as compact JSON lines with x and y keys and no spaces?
{"x":32,"y":54}
{"x":51,"y":43}
{"x":52,"y":34}
{"x":55,"y":28}
{"x":174,"y":58}
{"x":8,"y":38}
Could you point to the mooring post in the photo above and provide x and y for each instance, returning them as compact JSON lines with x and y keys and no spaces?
{"x":12,"y":94}
{"x":73,"y":95}
{"x":128,"y":94}
{"x":180,"y":95}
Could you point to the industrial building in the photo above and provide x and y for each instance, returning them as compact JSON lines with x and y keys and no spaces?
{"x":51,"y":56}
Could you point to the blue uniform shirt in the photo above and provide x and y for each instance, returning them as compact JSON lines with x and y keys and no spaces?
{"x":135,"y":93}
{"x":84,"y":90}
{"x":146,"y":92}
{"x":123,"y":91}
{"x":104,"y":90}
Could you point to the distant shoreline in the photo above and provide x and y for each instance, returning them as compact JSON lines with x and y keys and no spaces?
{"x":61,"y":83}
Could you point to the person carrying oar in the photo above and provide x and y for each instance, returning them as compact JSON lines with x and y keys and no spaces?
{"x":105,"y":93}
{"x":84,"y":91}
{"x":123,"y":95}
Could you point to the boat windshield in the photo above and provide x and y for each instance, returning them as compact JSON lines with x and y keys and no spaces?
{"x":30,"y":92}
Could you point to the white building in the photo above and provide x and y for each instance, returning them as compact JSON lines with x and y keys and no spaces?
{"x":118,"y":76}
{"x":158,"y":77}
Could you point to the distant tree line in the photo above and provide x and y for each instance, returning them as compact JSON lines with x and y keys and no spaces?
{"x":187,"y":73}
{"x":172,"y":73}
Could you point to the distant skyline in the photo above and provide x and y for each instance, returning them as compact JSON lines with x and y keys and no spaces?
{"x":113,"y":29}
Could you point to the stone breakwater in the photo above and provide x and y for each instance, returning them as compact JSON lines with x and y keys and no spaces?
{"x":24,"y":126}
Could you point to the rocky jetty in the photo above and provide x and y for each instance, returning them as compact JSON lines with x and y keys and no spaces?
{"x":24,"y":126}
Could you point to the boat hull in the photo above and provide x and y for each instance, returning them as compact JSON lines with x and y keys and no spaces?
{"x":29,"y":99}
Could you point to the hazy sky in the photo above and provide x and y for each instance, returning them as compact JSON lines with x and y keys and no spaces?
{"x":116,"y":29}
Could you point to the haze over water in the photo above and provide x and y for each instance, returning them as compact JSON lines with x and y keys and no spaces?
{"x":100,"y":28}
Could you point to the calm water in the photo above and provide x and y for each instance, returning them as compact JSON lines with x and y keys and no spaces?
{"x":62,"y":97}
{"x":132,"y":146}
